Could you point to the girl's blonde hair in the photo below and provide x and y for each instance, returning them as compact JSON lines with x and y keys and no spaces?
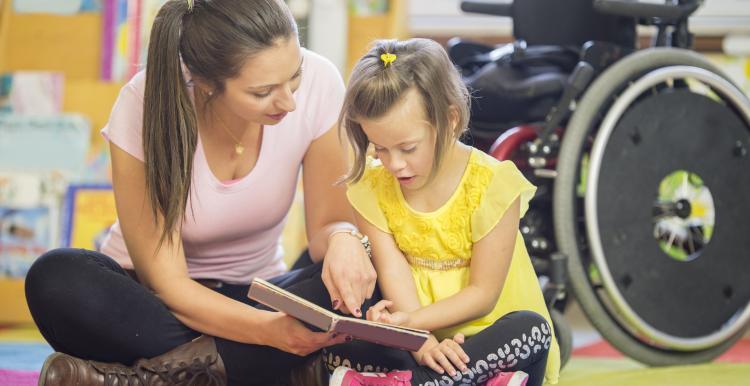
{"x":374,"y":88}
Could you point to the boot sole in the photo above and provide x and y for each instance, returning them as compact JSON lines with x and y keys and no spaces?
{"x":45,"y":367}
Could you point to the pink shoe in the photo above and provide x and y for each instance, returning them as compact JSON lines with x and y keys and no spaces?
{"x":344,"y":376}
{"x":514,"y":378}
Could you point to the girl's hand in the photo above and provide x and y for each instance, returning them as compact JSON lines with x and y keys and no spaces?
{"x":288,"y":334}
{"x":444,"y":356}
{"x":380,"y":313}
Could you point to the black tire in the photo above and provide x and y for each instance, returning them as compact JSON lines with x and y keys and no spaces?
{"x":571,"y":240}
{"x":564,"y":335}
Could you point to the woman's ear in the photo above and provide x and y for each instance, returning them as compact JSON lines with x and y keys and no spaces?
{"x":453,"y":119}
{"x":203,"y":86}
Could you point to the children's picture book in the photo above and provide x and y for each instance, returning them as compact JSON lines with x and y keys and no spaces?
{"x":29,"y":220}
{"x":44,"y":143}
{"x":25,"y":234}
{"x":381,"y":333}
{"x":31,"y":92}
{"x":89,"y":213}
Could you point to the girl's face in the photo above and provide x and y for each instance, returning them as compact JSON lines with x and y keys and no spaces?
{"x":263,"y":90}
{"x":404,"y":140}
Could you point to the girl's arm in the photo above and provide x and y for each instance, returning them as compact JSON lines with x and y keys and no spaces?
{"x":164,"y":270}
{"x":347,"y":271}
{"x":397,"y":285}
{"x":394,"y":274}
{"x":490,"y":262}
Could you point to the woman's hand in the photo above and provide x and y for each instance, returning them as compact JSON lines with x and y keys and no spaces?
{"x":348,"y":273}
{"x":443,"y":356}
{"x":288,"y":334}
{"x":380,"y":313}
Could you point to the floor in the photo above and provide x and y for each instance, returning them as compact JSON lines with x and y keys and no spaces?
{"x":594,"y":362}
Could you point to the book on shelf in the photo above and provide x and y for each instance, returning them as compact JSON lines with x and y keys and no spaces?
{"x":88,"y":213}
{"x":318,"y":317}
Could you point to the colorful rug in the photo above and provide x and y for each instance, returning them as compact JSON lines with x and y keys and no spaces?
{"x":739,"y":353}
{"x":22,"y":353}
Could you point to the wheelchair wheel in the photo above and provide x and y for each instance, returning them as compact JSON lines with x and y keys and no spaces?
{"x":564,"y":335}
{"x":650,"y":210}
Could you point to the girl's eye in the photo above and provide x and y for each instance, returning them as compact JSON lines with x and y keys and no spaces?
{"x":410,"y":150}
{"x":378,"y":149}
{"x":261,"y":95}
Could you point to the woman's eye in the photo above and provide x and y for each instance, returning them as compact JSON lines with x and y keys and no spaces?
{"x":261,"y":95}
{"x":410,"y":150}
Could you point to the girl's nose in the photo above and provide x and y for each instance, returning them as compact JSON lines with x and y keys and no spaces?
{"x":397,"y":163}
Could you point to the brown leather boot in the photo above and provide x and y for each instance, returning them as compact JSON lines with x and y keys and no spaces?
{"x":195,"y":363}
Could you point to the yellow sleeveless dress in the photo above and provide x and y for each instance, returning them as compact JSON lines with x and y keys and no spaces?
{"x":438,"y":244}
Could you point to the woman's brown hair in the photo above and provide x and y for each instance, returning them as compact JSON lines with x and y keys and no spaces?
{"x":374,"y":89}
{"x":213,"y":40}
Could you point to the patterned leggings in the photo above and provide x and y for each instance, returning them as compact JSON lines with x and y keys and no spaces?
{"x":517,"y":341}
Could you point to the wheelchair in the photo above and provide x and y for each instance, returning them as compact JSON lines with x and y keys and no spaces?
{"x":641,"y":160}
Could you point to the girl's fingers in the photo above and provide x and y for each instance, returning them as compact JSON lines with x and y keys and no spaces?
{"x":459,"y":351}
{"x":382,"y":305}
{"x":444,"y":362}
{"x":454,"y":357}
{"x":429,"y":361}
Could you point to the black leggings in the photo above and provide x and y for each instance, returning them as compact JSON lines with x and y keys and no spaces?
{"x":517,"y":341}
{"x":87,"y":306}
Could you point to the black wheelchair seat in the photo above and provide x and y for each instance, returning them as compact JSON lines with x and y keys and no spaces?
{"x":513,"y":83}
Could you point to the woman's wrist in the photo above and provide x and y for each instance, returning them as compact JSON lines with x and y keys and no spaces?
{"x":353,"y":232}
{"x":264,"y":325}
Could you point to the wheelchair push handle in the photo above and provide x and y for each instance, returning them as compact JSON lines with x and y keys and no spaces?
{"x":633,"y":8}
{"x":497,"y":8}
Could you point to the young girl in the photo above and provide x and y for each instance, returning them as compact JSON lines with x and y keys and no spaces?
{"x":443,"y":221}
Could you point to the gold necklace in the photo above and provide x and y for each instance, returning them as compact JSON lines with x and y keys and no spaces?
{"x":238,"y":148}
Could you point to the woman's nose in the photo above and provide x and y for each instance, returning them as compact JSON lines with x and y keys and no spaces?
{"x":286,"y":100}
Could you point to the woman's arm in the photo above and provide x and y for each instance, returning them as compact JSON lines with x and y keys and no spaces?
{"x":164,"y":270}
{"x":347,"y":271}
{"x":490,"y":262}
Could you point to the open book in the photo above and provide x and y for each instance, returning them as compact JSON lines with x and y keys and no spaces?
{"x":312,"y":314}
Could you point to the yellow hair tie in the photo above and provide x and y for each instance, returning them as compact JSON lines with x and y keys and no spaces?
{"x":387,"y":58}
{"x":191,"y":3}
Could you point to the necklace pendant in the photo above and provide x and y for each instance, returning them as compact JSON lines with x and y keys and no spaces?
{"x":239,"y":149}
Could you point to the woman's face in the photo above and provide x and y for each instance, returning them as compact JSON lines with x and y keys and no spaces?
{"x":263,"y":90}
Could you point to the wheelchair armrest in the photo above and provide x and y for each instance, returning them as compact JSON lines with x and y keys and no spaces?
{"x":497,"y":8}
{"x":636,"y":9}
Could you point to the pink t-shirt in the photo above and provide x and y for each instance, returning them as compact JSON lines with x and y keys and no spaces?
{"x":232,"y":229}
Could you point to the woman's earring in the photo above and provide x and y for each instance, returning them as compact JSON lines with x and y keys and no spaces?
{"x":210,"y":93}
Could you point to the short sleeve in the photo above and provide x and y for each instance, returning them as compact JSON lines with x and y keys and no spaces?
{"x":364,"y":200}
{"x":125,"y":125}
{"x":507,"y":184}
{"x":326,"y":93}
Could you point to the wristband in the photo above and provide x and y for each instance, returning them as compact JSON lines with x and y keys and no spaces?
{"x":362,"y":239}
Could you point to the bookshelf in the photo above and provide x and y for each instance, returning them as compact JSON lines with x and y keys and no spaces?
{"x":363,"y":29}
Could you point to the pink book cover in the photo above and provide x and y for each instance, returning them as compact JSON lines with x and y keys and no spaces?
{"x":385,"y":334}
